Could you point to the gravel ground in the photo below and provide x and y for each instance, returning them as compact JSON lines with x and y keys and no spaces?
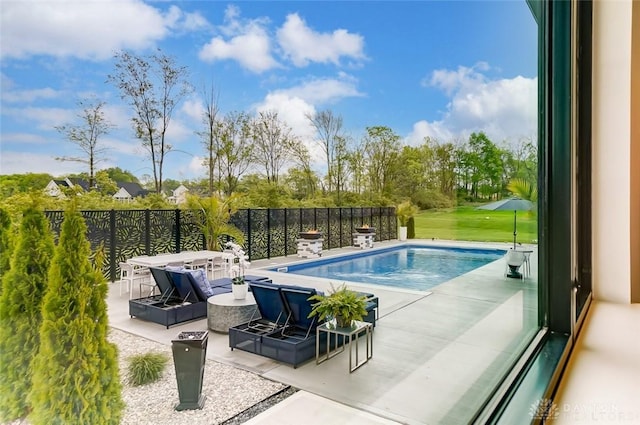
{"x":232,"y":395}
{"x":229,"y":391}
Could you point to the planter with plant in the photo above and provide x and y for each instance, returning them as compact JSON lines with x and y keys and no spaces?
{"x":213,"y":216}
{"x":405,"y":211}
{"x":342,"y":305}
{"x":240,"y":262}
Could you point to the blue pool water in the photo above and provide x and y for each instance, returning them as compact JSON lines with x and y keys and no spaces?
{"x":409,"y":267}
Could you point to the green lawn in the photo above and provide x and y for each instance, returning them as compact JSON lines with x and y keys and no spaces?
{"x":467,"y":223}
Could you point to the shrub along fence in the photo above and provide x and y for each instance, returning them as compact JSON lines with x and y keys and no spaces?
{"x":268,"y":232}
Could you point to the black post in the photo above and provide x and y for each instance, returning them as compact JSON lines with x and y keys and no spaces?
{"x":328,"y":228}
{"x":268,"y":232}
{"x":515,"y":232}
{"x":112,"y":246}
{"x":340,"y":221}
{"x":315,"y":219}
{"x":249,"y":234}
{"x":147,"y":232}
{"x":178,"y":235}
{"x":286,"y":233}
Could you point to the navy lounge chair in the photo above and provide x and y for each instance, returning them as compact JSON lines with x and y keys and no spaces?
{"x":296,"y":300}
{"x":178,"y":303}
{"x":270,"y":307}
{"x":183,"y":286}
{"x":163,"y":281}
{"x":295,"y":343}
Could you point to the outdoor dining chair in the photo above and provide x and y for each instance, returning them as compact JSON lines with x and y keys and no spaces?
{"x":129,"y":274}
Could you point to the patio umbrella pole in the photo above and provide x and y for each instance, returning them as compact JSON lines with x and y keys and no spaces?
{"x":515,"y":204}
{"x":515,"y":232}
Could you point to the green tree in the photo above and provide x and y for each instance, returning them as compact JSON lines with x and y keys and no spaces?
{"x":329,"y":132}
{"x":488,"y":165}
{"x":11,"y":184}
{"x":302,"y":159}
{"x":119,"y":175}
{"x":445,"y":168}
{"x":152,"y":201}
{"x":301,"y":182}
{"x":413,"y":177}
{"x":357,"y":164}
{"x":153,"y":86}
{"x":235,"y":150}
{"x":75,"y":374}
{"x":86,"y":136}
{"x":383,"y":150}
{"x":261,"y":193}
{"x":105,"y":184}
{"x":274,"y":144}
{"x":21,"y":300}
{"x":210,"y":136}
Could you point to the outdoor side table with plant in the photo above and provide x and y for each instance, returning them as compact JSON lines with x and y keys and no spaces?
{"x":341,"y":304}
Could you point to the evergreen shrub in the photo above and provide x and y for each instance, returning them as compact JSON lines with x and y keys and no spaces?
{"x":411,"y":228}
{"x":24,"y":286}
{"x":75,"y":375}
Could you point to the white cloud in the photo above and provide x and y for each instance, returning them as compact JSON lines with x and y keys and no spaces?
{"x":29,"y":96}
{"x":302,"y":44}
{"x":88,"y":30}
{"x":247,"y":42}
{"x":291,"y":110}
{"x":178,"y":132}
{"x":181,"y":21}
{"x":29,"y":162}
{"x":294,"y":105}
{"x":505,"y":109}
{"x":194,"y":168}
{"x":194,"y":109}
{"x":42,"y":118}
{"x":324,"y":90}
{"x":450,"y":81}
{"x":23,"y":138}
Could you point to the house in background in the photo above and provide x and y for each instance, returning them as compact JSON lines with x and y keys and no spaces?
{"x":128,"y":191}
{"x":179,"y":195}
{"x":56,"y":187}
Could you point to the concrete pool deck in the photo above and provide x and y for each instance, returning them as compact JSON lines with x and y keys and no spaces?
{"x":436,"y":355}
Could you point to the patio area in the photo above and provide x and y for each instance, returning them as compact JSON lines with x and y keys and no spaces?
{"x":437,"y":354}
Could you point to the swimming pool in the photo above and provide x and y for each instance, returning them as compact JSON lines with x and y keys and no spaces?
{"x":410,"y":267}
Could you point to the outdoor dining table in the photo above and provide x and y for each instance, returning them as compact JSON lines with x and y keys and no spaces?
{"x":185,"y":256}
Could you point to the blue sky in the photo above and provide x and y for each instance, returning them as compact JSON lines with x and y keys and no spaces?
{"x":423,"y":68}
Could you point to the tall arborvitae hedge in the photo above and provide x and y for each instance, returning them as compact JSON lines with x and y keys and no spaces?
{"x":5,"y":243}
{"x":411,"y":228}
{"x":75,"y":377}
{"x":24,"y":286}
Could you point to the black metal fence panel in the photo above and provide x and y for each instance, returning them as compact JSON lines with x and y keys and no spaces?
{"x":123,"y":234}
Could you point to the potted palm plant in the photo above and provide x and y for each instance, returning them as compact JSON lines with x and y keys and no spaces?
{"x":405,"y":211}
{"x":342,"y":305}
{"x":214,"y":218}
